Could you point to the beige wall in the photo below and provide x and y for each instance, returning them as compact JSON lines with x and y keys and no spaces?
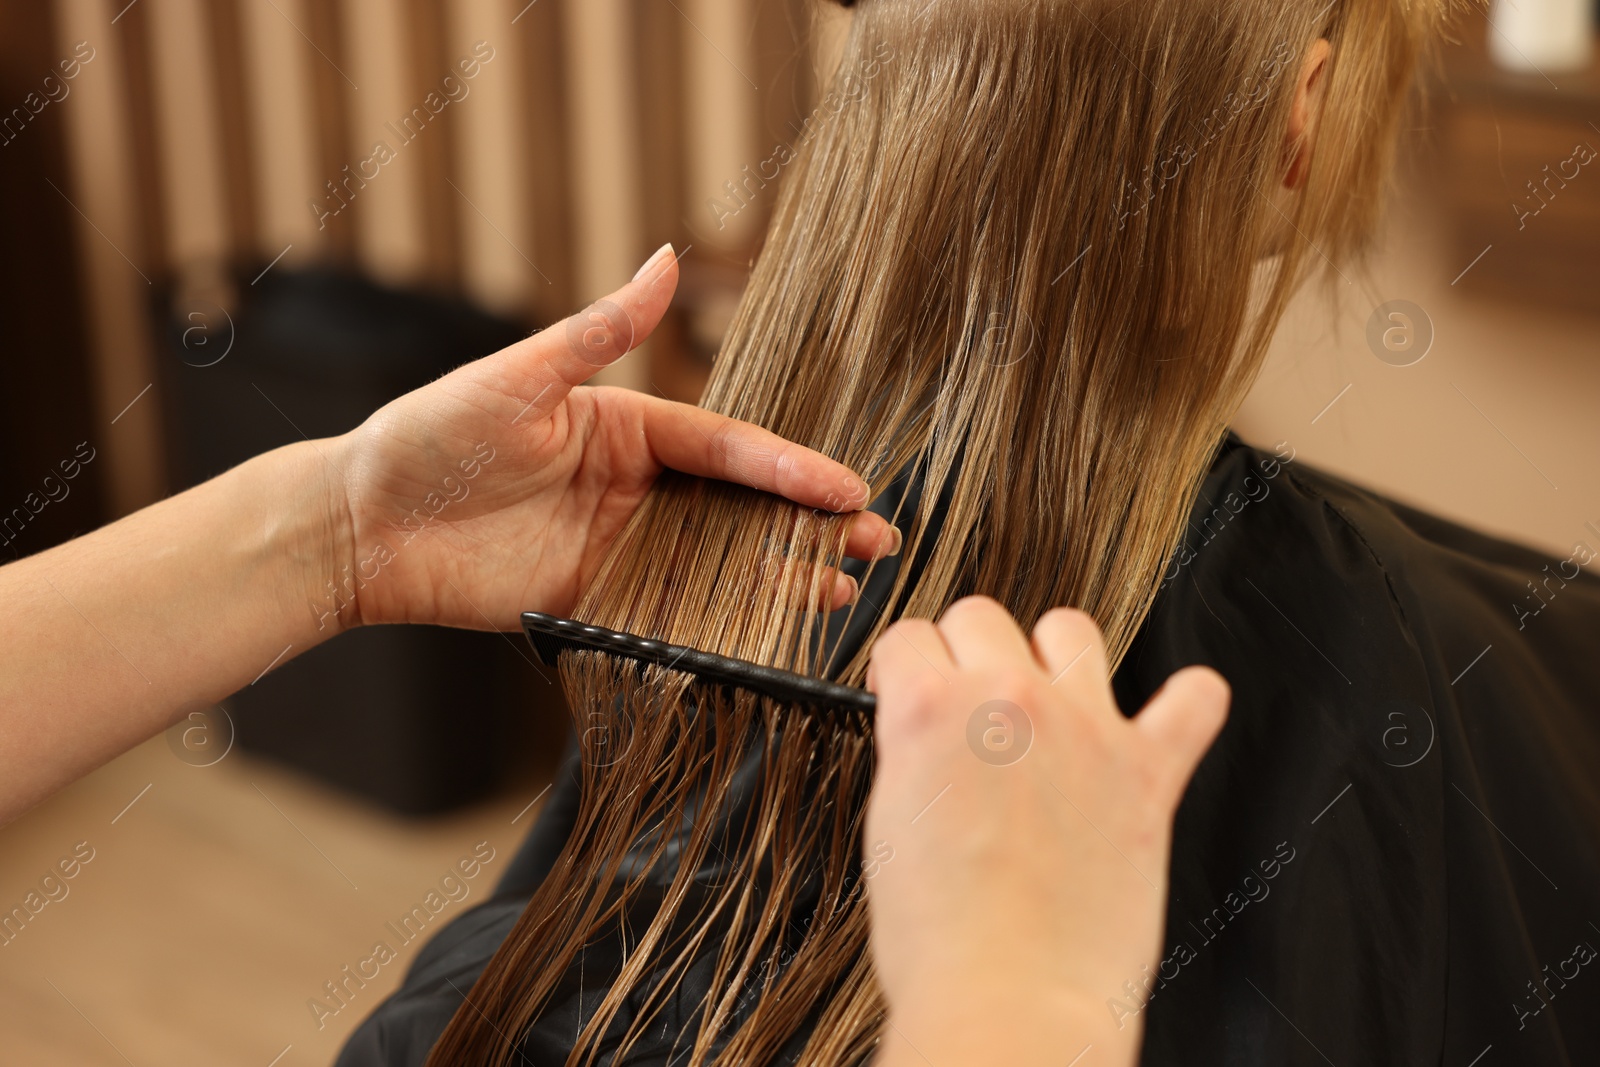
{"x":1498,"y":426}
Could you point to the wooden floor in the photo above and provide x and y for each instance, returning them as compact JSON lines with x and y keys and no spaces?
{"x":217,"y":903}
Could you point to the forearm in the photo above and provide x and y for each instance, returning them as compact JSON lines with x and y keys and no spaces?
{"x":111,"y":638}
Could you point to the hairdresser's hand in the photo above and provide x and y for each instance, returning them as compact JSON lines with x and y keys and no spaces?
{"x":498,"y":488}
{"x":1018,"y":836}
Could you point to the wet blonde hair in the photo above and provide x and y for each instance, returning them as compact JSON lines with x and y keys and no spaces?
{"x":1022,"y":261}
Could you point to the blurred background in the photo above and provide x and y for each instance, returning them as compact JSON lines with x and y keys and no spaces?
{"x":229,"y":224}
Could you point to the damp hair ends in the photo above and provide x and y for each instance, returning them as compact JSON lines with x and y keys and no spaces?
{"x":1022,"y":261}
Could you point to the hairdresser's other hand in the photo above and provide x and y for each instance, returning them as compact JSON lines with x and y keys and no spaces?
{"x":497,"y":488}
{"x":1018,"y":836}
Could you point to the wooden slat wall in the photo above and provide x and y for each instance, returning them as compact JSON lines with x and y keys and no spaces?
{"x":660,"y":57}
{"x":130,"y":37}
{"x":391,"y":236}
{"x":601,"y":92}
{"x":278,"y":119}
{"x":489,"y":155}
{"x":47,"y":405}
{"x":599,"y":130}
{"x":547,"y":133}
{"x":115,"y":236}
{"x":431,"y":58}
{"x":224,"y":26}
{"x":188,"y":136}
{"x":723,"y":96}
{"x":323,"y":32}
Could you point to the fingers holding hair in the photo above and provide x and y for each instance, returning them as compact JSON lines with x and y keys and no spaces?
{"x":708,"y":445}
{"x":702,"y":443}
{"x":542,"y":370}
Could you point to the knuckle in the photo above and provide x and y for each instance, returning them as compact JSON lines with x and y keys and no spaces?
{"x":786,"y":463}
{"x":973,"y":607}
{"x":916,"y":631}
{"x":911,"y":703}
{"x":1066,"y":623}
{"x":924,"y":690}
{"x":1016,"y":687}
{"x":721,"y":438}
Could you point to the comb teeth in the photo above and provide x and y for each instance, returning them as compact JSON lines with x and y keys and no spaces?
{"x":550,"y":636}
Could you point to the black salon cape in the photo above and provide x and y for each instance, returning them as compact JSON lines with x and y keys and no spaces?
{"x":1389,"y":857}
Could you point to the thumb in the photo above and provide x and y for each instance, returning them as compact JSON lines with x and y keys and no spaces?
{"x":1183,"y":719}
{"x":541,"y":370}
{"x":613,"y":326}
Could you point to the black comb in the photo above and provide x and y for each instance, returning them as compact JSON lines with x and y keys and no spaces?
{"x":551,"y":635}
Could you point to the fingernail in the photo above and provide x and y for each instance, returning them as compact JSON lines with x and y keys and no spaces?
{"x":664,"y":250}
{"x":896,"y":542}
{"x":856,"y":491}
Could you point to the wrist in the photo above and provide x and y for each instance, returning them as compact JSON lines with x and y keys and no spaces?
{"x":969,"y":1028}
{"x":310,"y":531}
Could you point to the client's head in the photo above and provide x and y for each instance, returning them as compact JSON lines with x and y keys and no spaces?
{"x":1019,"y":261}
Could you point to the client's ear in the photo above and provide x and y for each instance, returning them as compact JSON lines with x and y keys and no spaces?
{"x":1301,"y":136}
